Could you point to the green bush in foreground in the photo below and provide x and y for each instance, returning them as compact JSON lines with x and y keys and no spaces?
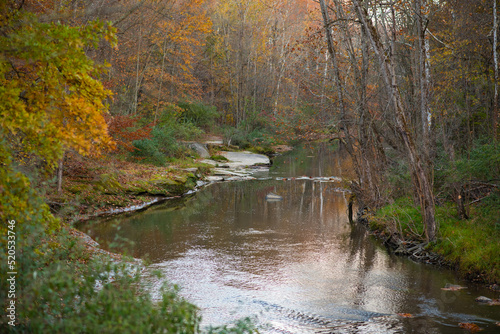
{"x":61,"y":290}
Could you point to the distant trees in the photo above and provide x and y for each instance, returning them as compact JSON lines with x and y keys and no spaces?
{"x":251,"y":58}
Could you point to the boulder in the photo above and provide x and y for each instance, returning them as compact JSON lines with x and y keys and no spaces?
{"x":200,"y":149}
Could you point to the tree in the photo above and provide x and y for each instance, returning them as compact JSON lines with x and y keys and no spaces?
{"x":420,"y":178}
{"x":51,"y":98}
{"x":495,"y":77}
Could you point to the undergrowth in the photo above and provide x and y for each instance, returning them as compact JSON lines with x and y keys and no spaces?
{"x":473,"y":245}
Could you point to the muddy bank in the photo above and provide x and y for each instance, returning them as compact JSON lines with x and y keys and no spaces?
{"x":414,"y":249}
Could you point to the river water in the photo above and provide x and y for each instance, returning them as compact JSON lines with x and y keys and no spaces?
{"x":294,"y":265}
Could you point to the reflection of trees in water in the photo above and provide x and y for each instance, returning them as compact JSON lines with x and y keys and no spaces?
{"x":221,"y":209}
{"x":322,"y":160}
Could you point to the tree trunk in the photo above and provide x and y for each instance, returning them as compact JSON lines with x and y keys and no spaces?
{"x":60,"y":174}
{"x":158,"y":100}
{"x":333,"y":57}
{"x":421,"y":180}
{"x":137,"y":85}
{"x":423,"y":69}
{"x":495,"y":62}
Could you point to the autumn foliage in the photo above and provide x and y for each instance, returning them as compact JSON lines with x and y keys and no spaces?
{"x":125,"y":130}
{"x":51,"y":97}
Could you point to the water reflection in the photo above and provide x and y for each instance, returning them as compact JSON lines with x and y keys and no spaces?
{"x":296,"y":264}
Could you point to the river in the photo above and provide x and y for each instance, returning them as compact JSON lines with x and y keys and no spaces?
{"x":294,"y":265}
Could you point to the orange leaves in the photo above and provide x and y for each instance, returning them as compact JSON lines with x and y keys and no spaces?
{"x":473,"y":328}
{"x":159,"y":55}
{"x":124,"y":130}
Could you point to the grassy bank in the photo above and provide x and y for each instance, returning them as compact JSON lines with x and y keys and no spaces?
{"x":472,"y":246}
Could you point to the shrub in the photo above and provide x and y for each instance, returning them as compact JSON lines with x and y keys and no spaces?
{"x":245,"y":139}
{"x":182,"y":130}
{"x":147,"y":150}
{"x":160,"y":147}
{"x":199,"y":114}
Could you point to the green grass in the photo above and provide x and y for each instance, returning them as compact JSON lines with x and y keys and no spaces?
{"x":473,"y":244}
{"x":220,"y":158}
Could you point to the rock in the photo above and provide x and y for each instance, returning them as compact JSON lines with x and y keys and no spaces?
{"x":223,"y":172}
{"x":273,"y":197}
{"x":453,"y":287}
{"x":200,"y":149}
{"x":215,"y":178}
{"x":483,"y":299}
{"x":240,"y":159}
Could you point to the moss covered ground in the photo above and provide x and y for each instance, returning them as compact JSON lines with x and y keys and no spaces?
{"x":470,"y":245}
{"x":92,"y":187}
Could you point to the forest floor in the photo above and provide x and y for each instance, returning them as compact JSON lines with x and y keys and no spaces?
{"x":470,"y":246}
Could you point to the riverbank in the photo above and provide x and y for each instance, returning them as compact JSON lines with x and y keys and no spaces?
{"x":96,"y":289}
{"x":471,"y":247}
{"x":97,"y":188}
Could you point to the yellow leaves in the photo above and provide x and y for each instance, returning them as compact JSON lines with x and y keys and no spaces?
{"x":57,"y":103}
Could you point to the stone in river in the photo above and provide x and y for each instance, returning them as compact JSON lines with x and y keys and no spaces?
{"x":483,"y":299}
{"x":273,"y":197}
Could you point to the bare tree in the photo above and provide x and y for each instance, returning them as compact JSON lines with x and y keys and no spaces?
{"x":421,"y":180}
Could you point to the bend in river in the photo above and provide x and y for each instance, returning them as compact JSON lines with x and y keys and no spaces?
{"x":293,"y":263}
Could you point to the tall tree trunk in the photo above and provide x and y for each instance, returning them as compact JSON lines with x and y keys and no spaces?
{"x":333,"y":57}
{"x":421,"y":180}
{"x":137,"y":84}
{"x":495,"y":62}
{"x":158,"y":100}
{"x":423,"y":66}
{"x":359,"y":165}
